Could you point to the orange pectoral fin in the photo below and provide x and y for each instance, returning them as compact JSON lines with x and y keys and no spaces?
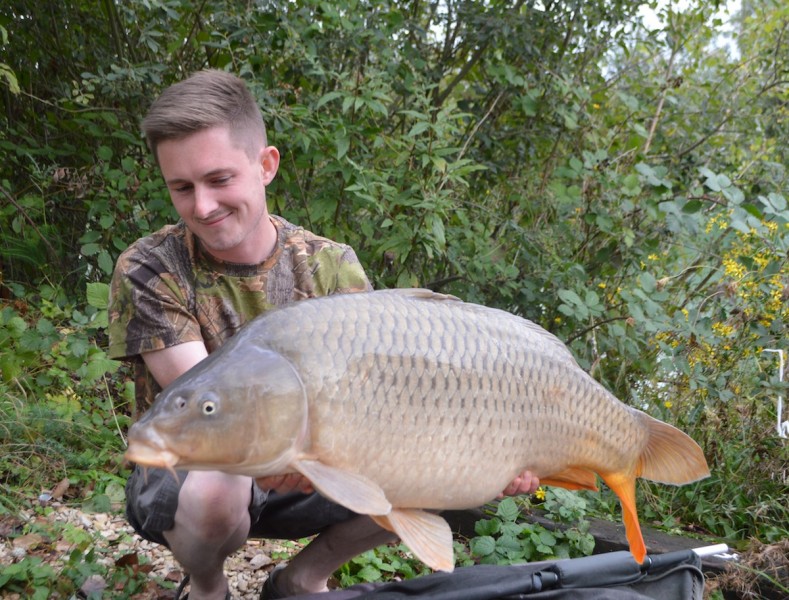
{"x":574,"y":478}
{"x":624,"y":486}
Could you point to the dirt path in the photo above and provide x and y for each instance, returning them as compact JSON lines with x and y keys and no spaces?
{"x":117,"y":545}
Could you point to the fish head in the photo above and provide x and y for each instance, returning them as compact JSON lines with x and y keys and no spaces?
{"x":243,"y":412}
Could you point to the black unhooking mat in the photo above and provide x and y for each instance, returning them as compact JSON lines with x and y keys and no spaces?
{"x":612,"y":576}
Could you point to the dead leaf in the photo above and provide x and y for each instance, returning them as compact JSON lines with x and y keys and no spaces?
{"x":28,"y":541}
{"x":60,"y":489}
{"x":174,"y":575}
{"x":128,"y":560}
{"x":9,"y":525}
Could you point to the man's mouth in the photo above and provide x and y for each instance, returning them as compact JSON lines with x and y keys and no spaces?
{"x":213,"y":220}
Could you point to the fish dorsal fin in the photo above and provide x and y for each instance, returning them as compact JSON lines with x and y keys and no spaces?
{"x":624,"y":486}
{"x":427,"y":535}
{"x":351,"y":490}
{"x":670,"y":456}
{"x":572,"y":478}
{"x":420,"y":293}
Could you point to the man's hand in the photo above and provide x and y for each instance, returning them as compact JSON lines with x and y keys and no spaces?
{"x":525,"y":483}
{"x":284,"y":484}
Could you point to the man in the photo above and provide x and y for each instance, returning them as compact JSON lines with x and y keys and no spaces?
{"x":180,"y":293}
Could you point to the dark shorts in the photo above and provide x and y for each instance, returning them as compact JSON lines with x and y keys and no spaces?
{"x":152,"y":498}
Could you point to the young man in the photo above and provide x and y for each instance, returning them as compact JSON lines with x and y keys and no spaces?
{"x":180,"y":293}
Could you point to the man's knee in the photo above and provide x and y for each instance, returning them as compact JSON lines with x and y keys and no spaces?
{"x":213,"y":504}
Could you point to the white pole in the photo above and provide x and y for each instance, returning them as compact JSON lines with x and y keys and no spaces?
{"x":781,"y":426}
{"x":711,"y":550}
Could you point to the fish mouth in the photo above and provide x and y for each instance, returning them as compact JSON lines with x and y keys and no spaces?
{"x":147,"y":455}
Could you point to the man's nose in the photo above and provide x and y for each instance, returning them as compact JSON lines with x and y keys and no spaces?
{"x":205,"y":202}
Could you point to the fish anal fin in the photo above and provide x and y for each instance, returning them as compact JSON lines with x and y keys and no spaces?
{"x":670,"y":455}
{"x":427,"y":535}
{"x":624,"y":486}
{"x":572,"y":478}
{"x":348,"y":489}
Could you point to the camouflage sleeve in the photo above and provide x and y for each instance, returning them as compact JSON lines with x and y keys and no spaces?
{"x":149,"y":307}
{"x":337,"y":270}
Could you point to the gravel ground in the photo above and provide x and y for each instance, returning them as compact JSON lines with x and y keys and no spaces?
{"x":247,"y":569}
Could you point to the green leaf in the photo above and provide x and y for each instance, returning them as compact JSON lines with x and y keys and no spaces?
{"x":648,"y":282}
{"x":105,"y":262}
{"x":328,"y":98}
{"x":104,"y":153}
{"x":90,"y":249}
{"x":571,"y":297}
{"x":98,"y":295}
{"x":343,"y":143}
{"x":752,"y":210}
{"x":508,"y":510}
{"x":418,"y":127}
{"x":547,"y":538}
{"x":487,"y":527}
{"x":369,"y":573}
{"x":483,"y":546}
{"x":16,"y":325}
{"x":97,"y":503}
{"x":107,"y":221}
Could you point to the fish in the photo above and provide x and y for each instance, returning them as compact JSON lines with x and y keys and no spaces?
{"x":401,"y":403}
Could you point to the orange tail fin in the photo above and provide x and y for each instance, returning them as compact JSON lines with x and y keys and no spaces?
{"x":670,"y":456}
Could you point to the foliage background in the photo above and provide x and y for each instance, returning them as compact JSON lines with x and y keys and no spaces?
{"x":621,"y":185}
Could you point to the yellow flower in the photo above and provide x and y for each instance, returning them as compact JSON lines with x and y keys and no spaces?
{"x":540,"y":493}
{"x":733,"y":268}
{"x":723,"y":329}
{"x":668,"y":404}
{"x":601,"y":285}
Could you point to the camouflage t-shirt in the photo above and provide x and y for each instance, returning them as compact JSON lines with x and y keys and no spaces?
{"x":166,"y":291}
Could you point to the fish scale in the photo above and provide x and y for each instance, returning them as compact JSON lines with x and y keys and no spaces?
{"x":396,"y":401}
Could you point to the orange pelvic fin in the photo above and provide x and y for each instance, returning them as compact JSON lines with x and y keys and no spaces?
{"x":624,"y":486}
{"x":573,"y":478}
{"x":670,"y":455}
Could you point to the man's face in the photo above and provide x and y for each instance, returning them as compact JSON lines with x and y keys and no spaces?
{"x":220,"y":192}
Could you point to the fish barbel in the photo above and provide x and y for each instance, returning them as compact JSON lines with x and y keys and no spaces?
{"x":396,"y":403}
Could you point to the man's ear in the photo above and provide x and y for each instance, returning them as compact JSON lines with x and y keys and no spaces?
{"x":269,"y":162}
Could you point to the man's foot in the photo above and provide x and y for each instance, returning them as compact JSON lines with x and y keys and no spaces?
{"x":182,"y":587}
{"x":270,"y":590}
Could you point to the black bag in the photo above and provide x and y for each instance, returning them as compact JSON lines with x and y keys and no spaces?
{"x":612,"y":576}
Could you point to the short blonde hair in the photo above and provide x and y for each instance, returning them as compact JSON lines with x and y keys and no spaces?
{"x":206,"y":99}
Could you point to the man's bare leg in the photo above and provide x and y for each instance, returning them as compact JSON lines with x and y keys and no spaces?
{"x":309,"y":570}
{"x":211,"y":522}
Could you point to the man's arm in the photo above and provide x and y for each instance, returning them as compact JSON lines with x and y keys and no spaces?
{"x":168,"y":364}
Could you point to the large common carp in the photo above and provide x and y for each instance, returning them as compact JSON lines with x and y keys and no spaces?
{"x":392,"y":402}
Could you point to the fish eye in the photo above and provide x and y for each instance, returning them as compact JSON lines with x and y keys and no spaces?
{"x":209,"y":407}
